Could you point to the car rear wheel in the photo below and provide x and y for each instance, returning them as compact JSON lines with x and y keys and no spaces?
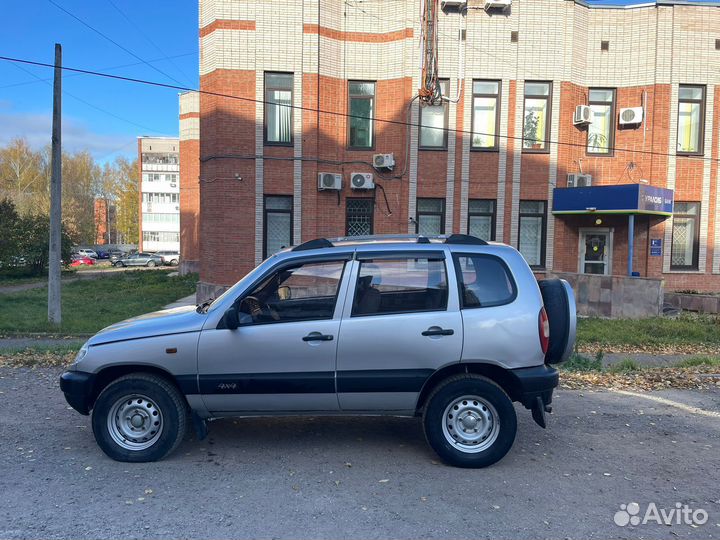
{"x":470,"y":421}
{"x":119,"y":264}
{"x":138,"y":418}
{"x":174,"y":262}
{"x":150,"y":263}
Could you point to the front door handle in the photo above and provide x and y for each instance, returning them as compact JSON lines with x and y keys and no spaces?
{"x":317,"y":336}
{"x":437,"y":331}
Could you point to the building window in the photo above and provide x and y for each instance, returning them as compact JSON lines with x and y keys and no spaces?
{"x":536,"y":116}
{"x":531,"y":232}
{"x":434,"y":123}
{"x":278,"y":109}
{"x":481,"y":218}
{"x":359,"y":217}
{"x":278,"y":223}
{"x":430,"y":218}
{"x":685,"y":236}
{"x":691,"y":118}
{"x":155,"y":236}
{"x":362,"y":113}
{"x":485,"y":115}
{"x":161,"y":218}
{"x":601,"y":132}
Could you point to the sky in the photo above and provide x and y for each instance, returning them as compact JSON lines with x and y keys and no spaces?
{"x":100,"y":115}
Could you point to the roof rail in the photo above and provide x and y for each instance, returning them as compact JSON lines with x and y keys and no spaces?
{"x":465,"y":239}
{"x":317,"y":243}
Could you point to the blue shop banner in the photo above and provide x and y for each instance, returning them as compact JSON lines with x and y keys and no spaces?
{"x":619,"y":199}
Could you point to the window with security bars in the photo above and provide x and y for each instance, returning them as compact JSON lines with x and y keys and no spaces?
{"x":359,"y":217}
{"x":531,"y":232}
{"x":481,"y":218}
{"x":278,"y":223}
{"x":685,"y":236}
{"x":430,"y":218}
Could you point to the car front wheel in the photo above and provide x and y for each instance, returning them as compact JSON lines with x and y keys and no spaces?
{"x":151,"y":264}
{"x":138,"y":418}
{"x":470,"y":421}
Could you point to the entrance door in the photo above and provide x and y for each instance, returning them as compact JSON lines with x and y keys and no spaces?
{"x":595,"y":251}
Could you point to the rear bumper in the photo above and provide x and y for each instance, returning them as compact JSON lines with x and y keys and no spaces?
{"x":534,"y":382}
{"x":77,"y":387}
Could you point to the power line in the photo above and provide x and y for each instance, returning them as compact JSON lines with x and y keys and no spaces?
{"x":24,"y":83}
{"x":98,"y":32}
{"x":334,"y":113}
{"x":149,"y":40}
{"x":81,"y":100}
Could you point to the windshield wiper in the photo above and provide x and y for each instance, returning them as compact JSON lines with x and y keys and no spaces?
{"x":202,"y":307}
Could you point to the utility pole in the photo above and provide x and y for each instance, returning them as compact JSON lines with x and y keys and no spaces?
{"x":54,"y":304}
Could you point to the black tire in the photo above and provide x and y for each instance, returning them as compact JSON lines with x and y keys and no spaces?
{"x":162,"y":397}
{"x":150,"y":263}
{"x":504,"y":425}
{"x":174,"y":262}
{"x":557,"y":307}
{"x":119,"y":264}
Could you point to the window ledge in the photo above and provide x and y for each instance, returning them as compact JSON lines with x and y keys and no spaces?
{"x":684,"y":272}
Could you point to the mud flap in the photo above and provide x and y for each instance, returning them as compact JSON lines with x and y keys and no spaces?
{"x":201,"y":429}
{"x":538,"y":412}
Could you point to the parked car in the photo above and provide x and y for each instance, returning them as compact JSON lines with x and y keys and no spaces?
{"x":451,"y":329}
{"x":101,"y":254}
{"x":87,"y":252}
{"x":169,"y":257}
{"x":116,"y":255}
{"x":139,"y":259}
{"x":82,"y":260}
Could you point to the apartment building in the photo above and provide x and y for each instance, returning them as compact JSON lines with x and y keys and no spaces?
{"x":618,"y":102}
{"x":159,"y":168}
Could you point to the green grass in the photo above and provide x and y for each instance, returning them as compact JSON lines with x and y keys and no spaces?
{"x":699,"y":361}
{"x":578,"y":362}
{"x":90,"y":305}
{"x":652,"y":332}
{"x":624,"y":366}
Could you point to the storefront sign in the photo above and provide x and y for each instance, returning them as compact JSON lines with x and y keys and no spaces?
{"x":613,"y":199}
{"x":656,"y":247}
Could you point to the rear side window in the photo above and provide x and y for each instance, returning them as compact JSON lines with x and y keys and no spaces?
{"x":484,"y":281}
{"x":400,"y":286}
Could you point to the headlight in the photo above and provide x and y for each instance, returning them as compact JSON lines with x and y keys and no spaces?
{"x":81,"y":353}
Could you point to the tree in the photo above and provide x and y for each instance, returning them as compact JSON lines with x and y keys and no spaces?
{"x":127,"y":200}
{"x":8,"y":224}
{"x":21,"y":176}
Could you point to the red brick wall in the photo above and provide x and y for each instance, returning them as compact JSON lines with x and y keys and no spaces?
{"x":189,"y":198}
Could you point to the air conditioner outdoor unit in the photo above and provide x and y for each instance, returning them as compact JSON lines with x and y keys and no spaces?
{"x":633,"y":115}
{"x":582,"y":116}
{"x":328,"y":181}
{"x":453,"y":4}
{"x":383,"y":161}
{"x":360,"y":180}
{"x":579,"y":180}
{"x":497,"y":4}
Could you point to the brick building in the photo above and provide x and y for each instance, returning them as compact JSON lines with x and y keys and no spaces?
{"x":189,"y":181}
{"x":486,"y":164}
{"x":158,"y":161}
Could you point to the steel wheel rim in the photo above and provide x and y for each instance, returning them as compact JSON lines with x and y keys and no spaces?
{"x":135,"y":422}
{"x":470,"y":424}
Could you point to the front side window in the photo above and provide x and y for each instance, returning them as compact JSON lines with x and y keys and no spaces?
{"x":484,"y":281}
{"x":485,"y":115}
{"x":685,"y":236}
{"x":531,"y":232}
{"x":434,"y":123}
{"x":481,"y":218}
{"x":602,"y":127}
{"x":536,"y":116}
{"x":691,"y":113}
{"x":430,"y":218}
{"x":278,"y":223}
{"x":301,"y":293}
{"x":359,"y":217}
{"x":362,"y":113}
{"x":278,"y":108}
{"x":400,"y":286}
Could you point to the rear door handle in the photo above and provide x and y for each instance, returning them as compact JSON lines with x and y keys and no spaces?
{"x":437,"y":331}
{"x":317,"y":336}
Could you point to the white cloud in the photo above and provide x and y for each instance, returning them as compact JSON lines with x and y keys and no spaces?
{"x":76,"y":135}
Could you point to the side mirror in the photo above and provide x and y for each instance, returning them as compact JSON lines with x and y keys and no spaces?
{"x":230,"y":318}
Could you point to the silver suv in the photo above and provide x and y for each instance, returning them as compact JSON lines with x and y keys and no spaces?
{"x":452,"y":329}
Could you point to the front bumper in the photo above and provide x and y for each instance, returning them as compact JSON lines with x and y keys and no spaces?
{"x":77,"y":387}
{"x":534,"y":382}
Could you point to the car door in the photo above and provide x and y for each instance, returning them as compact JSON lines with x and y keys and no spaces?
{"x":282,"y":356}
{"x":401,"y":322}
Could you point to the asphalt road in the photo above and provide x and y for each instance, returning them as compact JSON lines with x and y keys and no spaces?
{"x":359,"y":477}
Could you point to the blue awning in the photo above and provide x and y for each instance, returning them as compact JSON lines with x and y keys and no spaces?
{"x":619,"y":199}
